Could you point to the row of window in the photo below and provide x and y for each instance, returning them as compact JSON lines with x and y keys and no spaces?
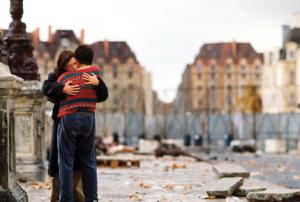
{"x":212,"y":75}
{"x":228,"y":66}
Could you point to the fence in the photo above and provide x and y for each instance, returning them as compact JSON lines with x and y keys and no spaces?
{"x":212,"y":127}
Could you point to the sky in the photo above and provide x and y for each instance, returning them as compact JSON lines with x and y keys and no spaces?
{"x":165,"y":35}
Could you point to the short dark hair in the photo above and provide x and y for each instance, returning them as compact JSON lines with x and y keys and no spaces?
{"x":84,"y":54}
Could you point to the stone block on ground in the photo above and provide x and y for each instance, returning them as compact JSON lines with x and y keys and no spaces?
{"x":225,"y":187}
{"x":243,"y":191}
{"x":276,"y":194}
{"x":230,"y":170}
{"x":275,"y":146}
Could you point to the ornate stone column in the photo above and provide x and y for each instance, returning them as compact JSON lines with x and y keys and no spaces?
{"x":29,"y":107}
{"x":18,"y":45}
{"x":10,"y":87}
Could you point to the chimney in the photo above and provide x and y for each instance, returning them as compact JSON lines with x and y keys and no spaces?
{"x":50,"y":36}
{"x":36,"y":37}
{"x":106,"y":48}
{"x":234,"y":50}
{"x":286,"y":29}
{"x":82,"y":32}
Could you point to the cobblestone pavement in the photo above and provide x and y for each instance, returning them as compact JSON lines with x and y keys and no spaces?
{"x":157,"y":180}
{"x":282,"y":169}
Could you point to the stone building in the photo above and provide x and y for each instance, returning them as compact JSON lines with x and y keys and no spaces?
{"x":130,"y":101}
{"x":218,"y":76}
{"x":281,"y":80}
{"x":129,"y":83}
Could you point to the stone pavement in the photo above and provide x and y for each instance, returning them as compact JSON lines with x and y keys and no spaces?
{"x":157,"y":180}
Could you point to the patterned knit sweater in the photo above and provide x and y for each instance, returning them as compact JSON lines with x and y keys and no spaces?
{"x":86,"y":97}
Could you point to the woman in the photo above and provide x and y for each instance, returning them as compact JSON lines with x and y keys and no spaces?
{"x":56,"y":92}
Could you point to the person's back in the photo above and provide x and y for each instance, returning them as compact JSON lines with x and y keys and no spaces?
{"x":77,"y":128}
{"x":86,"y":97}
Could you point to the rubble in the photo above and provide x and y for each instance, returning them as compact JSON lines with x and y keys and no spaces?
{"x":230,"y":170}
{"x":243,"y":146}
{"x":225,"y":187}
{"x":173,"y":150}
{"x":117,"y":162}
{"x":243,"y":191}
{"x":277,"y":194}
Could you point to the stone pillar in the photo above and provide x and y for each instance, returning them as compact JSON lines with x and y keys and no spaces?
{"x":29,"y":127}
{"x":10,"y":87}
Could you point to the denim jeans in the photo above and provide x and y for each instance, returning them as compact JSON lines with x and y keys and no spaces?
{"x":77,"y":132}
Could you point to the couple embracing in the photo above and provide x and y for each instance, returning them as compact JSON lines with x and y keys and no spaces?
{"x":75,"y":87}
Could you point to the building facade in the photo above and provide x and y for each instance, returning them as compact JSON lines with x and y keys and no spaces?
{"x":281,"y":77}
{"x":217,"y":78}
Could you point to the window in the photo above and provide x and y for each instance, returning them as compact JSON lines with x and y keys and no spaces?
{"x":257,"y":75}
{"x":292,"y":77}
{"x":130,"y":86}
{"x":291,"y":54}
{"x":115,"y":74}
{"x":199,"y":75}
{"x":212,"y":75}
{"x":130,"y":74}
{"x":243,"y":75}
{"x":228,"y":75}
{"x":243,"y":67}
{"x":228,"y":66}
{"x":115,"y":86}
{"x":200,"y":103}
{"x":199,"y":88}
{"x":292,"y":99}
{"x":229,"y":101}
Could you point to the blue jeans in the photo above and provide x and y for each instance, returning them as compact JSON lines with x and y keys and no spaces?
{"x":77,"y":132}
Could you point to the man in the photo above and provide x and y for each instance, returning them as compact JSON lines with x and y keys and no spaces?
{"x":76,"y":130}
{"x":56,"y":92}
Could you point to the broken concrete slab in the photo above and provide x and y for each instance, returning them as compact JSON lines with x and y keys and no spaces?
{"x":225,"y":187}
{"x":243,"y":191}
{"x":230,"y":170}
{"x":276,"y":194}
{"x":254,"y":185}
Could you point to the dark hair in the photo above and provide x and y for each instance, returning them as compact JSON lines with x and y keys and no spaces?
{"x":62,"y":61}
{"x":84,"y":54}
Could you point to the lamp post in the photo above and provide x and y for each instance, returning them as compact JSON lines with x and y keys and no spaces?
{"x":18,"y":45}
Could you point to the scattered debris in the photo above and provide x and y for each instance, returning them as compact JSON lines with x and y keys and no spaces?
{"x":135,"y":197}
{"x":22,"y":179}
{"x":243,"y":146}
{"x":233,"y":199}
{"x":225,"y":187}
{"x":172,"y":150}
{"x":41,"y":185}
{"x":230,"y":170}
{"x":243,"y":191}
{"x":279,"y":194}
{"x":144,"y":186}
{"x":169,"y":187}
{"x":115,"y":163}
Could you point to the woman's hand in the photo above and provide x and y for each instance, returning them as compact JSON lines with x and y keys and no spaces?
{"x":91,"y":79}
{"x":71,"y":89}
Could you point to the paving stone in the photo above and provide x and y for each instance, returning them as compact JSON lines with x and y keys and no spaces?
{"x":243,"y":191}
{"x":254,"y":185}
{"x":230,"y":170}
{"x":282,"y":195}
{"x":225,"y":187}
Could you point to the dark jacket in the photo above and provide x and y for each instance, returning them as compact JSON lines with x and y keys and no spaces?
{"x":54,"y":91}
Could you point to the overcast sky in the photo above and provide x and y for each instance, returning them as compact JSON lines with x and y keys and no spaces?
{"x":165,"y":34}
